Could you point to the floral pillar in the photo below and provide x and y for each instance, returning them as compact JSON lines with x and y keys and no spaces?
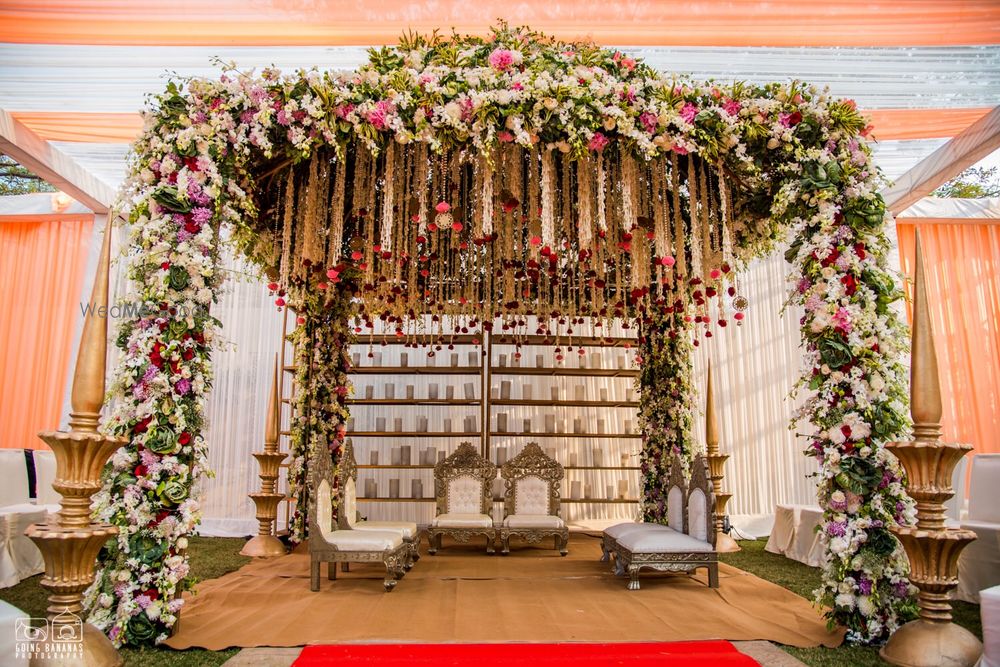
{"x":666,"y":411}
{"x":322,"y":342}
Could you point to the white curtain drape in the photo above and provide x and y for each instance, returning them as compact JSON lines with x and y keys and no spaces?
{"x":755,"y":366}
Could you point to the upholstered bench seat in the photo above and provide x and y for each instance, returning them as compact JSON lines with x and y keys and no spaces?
{"x":462,"y":521}
{"x":407,"y":529}
{"x":621,"y":529}
{"x":533,"y":521}
{"x":363,"y":540}
{"x":658,"y":542}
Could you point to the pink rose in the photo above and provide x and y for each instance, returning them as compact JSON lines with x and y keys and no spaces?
{"x":688,"y":112}
{"x":732,"y":107}
{"x":598,"y":142}
{"x":501,"y":59}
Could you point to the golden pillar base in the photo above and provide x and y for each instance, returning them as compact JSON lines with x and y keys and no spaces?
{"x":724,"y":544}
{"x":263,"y":546}
{"x":80,"y":458}
{"x":269,"y":463}
{"x":923,"y":643}
{"x":70,"y":554}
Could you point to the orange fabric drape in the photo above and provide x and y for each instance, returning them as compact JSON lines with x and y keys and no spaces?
{"x":631,"y":22}
{"x":963,"y":283}
{"x":41,"y":279}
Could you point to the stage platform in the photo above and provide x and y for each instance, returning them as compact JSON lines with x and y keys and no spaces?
{"x":463,"y":595}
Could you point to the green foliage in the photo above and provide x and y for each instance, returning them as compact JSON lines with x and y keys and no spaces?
{"x":973,"y":183}
{"x":17,"y":180}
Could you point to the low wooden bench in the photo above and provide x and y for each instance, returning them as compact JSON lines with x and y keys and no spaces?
{"x":686,"y":544}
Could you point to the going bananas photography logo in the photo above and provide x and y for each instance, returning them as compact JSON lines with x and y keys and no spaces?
{"x":42,"y":639}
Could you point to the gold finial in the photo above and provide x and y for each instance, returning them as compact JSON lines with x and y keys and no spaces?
{"x":711,"y":423}
{"x":87,"y":395}
{"x":273,"y":414}
{"x":925,"y":387}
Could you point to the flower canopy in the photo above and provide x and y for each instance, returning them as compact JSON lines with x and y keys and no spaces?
{"x":490,"y":180}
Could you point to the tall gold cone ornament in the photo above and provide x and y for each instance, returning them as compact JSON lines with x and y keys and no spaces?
{"x":265,"y":544}
{"x":71,"y":541}
{"x":932,"y":640}
{"x":716,"y":461}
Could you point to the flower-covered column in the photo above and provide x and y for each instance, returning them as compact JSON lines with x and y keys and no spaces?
{"x":160,"y":387}
{"x":857,"y":398}
{"x":322,"y":342}
{"x":666,"y":409}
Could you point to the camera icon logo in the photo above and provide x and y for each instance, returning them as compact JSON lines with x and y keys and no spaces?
{"x":31,"y":629}
{"x":66,"y":627}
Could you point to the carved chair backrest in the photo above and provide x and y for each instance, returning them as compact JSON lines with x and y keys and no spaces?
{"x":531,"y":483}
{"x":701,"y":502}
{"x":676,"y":496}
{"x":323,"y":485}
{"x":463,"y":482}
{"x":348,"y":475}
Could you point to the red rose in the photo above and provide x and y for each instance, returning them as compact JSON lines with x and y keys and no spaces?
{"x":850,"y":284}
{"x":184,"y":438}
{"x":140,"y":470}
{"x":141,"y":426}
{"x":859,"y":250}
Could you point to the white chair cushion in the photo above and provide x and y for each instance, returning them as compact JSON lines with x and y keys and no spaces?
{"x":531,"y":496}
{"x":407,"y":529}
{"x":324,"y":506}
{"x":468,"y":520}
{"x":662,"y":542}
{"x":533,"y":521}
{"x":675,"y":508}
{"x":984,"y":488}
{"x":350,"y":507}
{"x":465,"y":495}
{"x":620,"y":529}
{"x":363,"y":540}
{"x":14,"y":473}
{"x":45,"y":474}
{"x":698,"y":515}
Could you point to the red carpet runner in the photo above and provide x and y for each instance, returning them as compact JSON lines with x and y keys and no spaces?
{"x":672,"y":654}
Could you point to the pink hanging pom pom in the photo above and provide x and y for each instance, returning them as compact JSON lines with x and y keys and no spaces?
{"x":668,"y":261}
{"x":442,"y":207}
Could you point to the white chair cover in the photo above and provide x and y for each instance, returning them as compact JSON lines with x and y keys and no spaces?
{"x":990,"y":613}
{"x":14,"y":473}
{"x":955,"y":504}
{"x":45,"y":474}
{"x":984,"y":488}
{"x":9,"y":617}
{"x":19,"y":557}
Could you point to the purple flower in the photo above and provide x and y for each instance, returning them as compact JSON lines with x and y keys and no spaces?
{"x":143,"y":601}
{"x":183,"y":235}
{"x":201,"y":215}
{"x":901,"y":589}
{"x":865,"y":586}
{"x":836,"y":529}
{"x":183,"y":386}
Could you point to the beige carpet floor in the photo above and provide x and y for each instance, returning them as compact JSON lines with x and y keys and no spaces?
{"x":463,"y":595}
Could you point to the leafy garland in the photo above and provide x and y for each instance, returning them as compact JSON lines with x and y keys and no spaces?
{"x":801,"y":161}
{"x":666,"y":415}
{"x":322,"y":341}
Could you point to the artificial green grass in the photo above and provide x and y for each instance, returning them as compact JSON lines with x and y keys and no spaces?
{"x":803,"y":580}
{"x":213,"y":557}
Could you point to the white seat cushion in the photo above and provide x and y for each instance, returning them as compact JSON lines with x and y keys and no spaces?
{"x":14,"y":473}
{"x":363,"y":540}
{"x":620,"y":529}
{"x":465,"y":495}
{"x":531,"y":496}
{"x":533,"y":521}
{"x":407,"y":529}
{"x":462,"y":521}
{"x":45,"y":474}
{"x":662,"y":542}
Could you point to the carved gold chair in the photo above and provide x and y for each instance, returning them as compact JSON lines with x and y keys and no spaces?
{"x":463,"y":487}
{"x":689,"y":542}
{"x":328,"y":543}
{"x":531,"y":500}
{"x":350,"y":518}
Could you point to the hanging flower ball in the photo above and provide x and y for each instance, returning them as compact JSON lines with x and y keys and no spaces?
{"x":442,"y":207}
{"x":668,"y":261}
{"x":272,"y":287}
{"x":738,"y":317}
{"x":300,"y":320}
{"x":536,"y":240}
{"x":356,"y":255}
{"x":457,"y":226}
{"x":321,"y":286}
{"x":279,"y":302}
{"x":715,"y":274}
{"x":332,"y":273}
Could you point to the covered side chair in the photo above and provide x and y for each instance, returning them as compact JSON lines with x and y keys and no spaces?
{"x":463,"y":488}
{"x":328,"y":543}
{"x":531,"y":500}
{"x":350,"y":518}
